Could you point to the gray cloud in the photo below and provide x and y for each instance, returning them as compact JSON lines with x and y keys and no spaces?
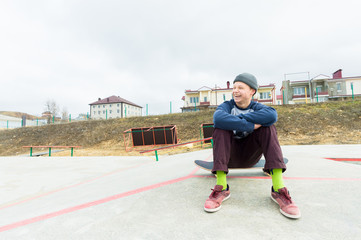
{"x":149,"y":52}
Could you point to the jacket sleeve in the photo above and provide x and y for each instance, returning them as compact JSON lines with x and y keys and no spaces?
{"x":223,"y":119}
{"x":264,"y":115}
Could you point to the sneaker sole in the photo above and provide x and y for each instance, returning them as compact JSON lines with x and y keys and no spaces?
{"x":212,"y":210}
{"x":284,"y":213}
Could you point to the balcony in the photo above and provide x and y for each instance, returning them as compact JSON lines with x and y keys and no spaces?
{"x":204,"y":103}
{"x":300,"y":96}
{"x":268,"y":100}
{"x":322,"y":93}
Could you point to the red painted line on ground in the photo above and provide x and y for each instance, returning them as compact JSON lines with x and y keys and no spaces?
{"x":70,"y":186}
{"x":345,"y":159}
{"x":207,"y":158}
{"x":144,"y":189}
{"x":97,"y":202}
{"x":90,"y":204}
{"x":288,"y":178}
{"x":175,"y":145}
{"x":245,"y":177}
{"x":251,"y":177}
{"x":322,"y":179}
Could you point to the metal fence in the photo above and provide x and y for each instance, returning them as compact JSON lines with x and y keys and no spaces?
{"x":7,"y":122}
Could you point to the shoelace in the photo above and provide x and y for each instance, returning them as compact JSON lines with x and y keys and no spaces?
{"x":214,"y":192}
{"x":287,"y":196}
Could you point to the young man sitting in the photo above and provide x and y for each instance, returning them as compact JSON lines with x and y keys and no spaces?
{"x":243,"y":131}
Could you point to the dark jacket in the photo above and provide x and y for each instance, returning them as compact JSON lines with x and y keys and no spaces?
{"x":228,"y":116}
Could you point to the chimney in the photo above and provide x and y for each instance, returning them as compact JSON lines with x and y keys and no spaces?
{"x":337,"y":74}
{"x":227,"y":84}
{"x":107,"y":99}
{"x":99,"y":99}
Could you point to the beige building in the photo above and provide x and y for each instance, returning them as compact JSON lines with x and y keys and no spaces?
{"x":344,"y":88}
{"x":114,"y":107}
{"x":206,"y":97}
{"x":266,"y":94}
{"x":321,"y":89}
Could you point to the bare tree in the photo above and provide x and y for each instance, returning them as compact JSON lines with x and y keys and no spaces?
{"x":52,"y":108}
{"x":64,"y":114}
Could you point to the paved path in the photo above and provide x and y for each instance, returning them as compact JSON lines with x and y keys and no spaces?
{"x":138,"y":198}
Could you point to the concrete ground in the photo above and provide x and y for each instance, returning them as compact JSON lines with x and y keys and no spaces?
{"x":139,"y":198}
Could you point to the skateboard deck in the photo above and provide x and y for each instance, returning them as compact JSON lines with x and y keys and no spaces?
{"x":209,"y":165}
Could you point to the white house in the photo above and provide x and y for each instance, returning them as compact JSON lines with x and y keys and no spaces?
{"x":114,"y":107}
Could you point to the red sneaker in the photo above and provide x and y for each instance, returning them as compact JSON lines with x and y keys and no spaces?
{"x":287,"y":206}
{"x":213,"y":203}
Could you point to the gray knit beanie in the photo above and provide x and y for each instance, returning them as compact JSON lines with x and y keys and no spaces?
{"x":248,"y":79}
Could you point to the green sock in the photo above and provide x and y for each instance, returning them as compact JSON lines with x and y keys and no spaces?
{"x":277,"y":179}
{"x":222,"y":179}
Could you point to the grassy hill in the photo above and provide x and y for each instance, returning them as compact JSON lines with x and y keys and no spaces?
{"x":322,"y":123}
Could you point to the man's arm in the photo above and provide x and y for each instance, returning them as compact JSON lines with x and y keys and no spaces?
{"x":263,"y":115}
{"x":223,"y":119}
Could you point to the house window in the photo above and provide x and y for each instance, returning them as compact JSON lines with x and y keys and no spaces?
{"x":110,"y":111}
{"x":265,"y":95}
{"x":93,"y":106}
{"x":118,"y":111}
{"x":194,"y":99}
{"x":338,"y":86}
{"x":299,"y":91}
{"x":98,"y":112}
{"x":205,"y":99}
{"x":103,"y":106}
{"x":110,"y":105}
{"x":94,"y":112}
{"x":98,"y":106}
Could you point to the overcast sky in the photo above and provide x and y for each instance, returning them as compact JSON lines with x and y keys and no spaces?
{"x":150,"y":52}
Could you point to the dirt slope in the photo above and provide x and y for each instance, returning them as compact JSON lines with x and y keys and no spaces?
{"x":323,"y":123}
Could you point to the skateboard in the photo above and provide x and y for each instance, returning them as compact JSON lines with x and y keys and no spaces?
{"x":209,"y":165}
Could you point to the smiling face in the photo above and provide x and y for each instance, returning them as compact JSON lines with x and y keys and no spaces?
{"x":242,"y":94}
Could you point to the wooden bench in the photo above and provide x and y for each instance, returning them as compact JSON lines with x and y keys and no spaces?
{"x":50,"y":147}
